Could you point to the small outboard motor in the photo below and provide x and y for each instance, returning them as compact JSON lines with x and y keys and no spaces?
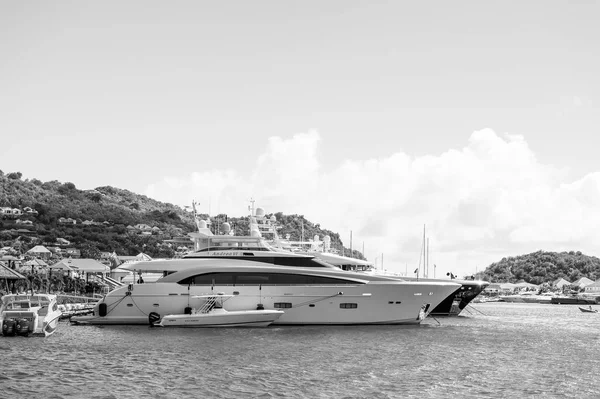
{"x":8,"y":327}
{"x":22,"y":327}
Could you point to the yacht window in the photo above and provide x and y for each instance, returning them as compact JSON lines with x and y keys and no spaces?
{"x":282,"y":305}
{"x":248,"y":278}
{"x":209,"y":279}
{"x":252,"y":279}
{"x":348,"y":305}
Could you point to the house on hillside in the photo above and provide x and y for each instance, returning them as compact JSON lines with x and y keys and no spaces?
{"x":593,"y":289}
{"x":9,"y":213}
{"x":500,"y":288}
{"x":73,"y":253}
{"x":39,"y":251}
{"x":81,"y":267}
{"x":90,"y":223}
{"x":55,"y":250}
{"x":178,"y":242}
{"x":62,"y":241}
{"x":8,"y":250}
{"x":66,"y":221}
{"x":143,"y":227}
{"x":560,"y":283}
{"x":24,"y":222}
{"x":582,"y":282}
{"x":30,"y":211}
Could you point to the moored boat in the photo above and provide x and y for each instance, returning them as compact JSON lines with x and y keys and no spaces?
{"x":588,"y":310}
{"x":210,"y":313}
{"x":315,"y":295}
{"x":574,"y":300}
{"x":25,"y":314}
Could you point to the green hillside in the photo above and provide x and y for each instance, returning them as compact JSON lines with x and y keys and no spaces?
{"x":108,"y":212}
{"x":543,"y":267}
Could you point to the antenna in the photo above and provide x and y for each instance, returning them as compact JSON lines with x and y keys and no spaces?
{"x":351,"y":255}
{"x":251,"y":206}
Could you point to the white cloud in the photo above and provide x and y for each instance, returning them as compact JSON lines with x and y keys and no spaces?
{"x":490,"y":199}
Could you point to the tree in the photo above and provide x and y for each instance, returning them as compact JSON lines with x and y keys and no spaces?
{"x":14,"y":175}
{"x":89,"y":251}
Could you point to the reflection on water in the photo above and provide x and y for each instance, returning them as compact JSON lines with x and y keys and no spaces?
{"x":495,"y":350}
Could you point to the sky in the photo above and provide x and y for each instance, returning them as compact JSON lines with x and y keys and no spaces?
{"x":477,"y":120}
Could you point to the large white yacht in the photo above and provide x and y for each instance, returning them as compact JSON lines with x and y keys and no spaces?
{"x":306,"y":295}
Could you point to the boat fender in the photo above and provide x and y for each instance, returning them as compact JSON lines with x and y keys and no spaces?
{"x":102,"y":309}
{"x":153,"y":318}
{"x":260,"y":306}
{"x":187,"y":310}
{"x":8,"y":327}
{"x":22,"y":327}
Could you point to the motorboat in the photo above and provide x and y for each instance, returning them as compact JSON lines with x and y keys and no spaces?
{"x":210,"y":313}
{"x":307,"y":295}
{"x":25,"y":314}
{"x":588,"y":310}
{"x":574,"y":300}
{"x":512,"y":298}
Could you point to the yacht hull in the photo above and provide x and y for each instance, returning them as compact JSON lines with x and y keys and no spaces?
{"x":306,"y":296}
{"x":392,"y":303}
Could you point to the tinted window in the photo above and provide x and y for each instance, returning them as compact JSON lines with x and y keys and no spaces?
{"x":248,"y":278}
{"x":209,"y":279}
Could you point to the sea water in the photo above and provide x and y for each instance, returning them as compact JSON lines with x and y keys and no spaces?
{"x":493,"y":350}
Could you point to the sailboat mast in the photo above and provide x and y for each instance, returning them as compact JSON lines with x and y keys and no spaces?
{"x":427,"y":257}
{"x":424,"y":252}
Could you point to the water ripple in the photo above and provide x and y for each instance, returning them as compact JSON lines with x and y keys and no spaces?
{"x":511,"y":350}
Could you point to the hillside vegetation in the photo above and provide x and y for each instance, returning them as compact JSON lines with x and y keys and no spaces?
{"x":112,"y":210}
{"x":543,"y":267}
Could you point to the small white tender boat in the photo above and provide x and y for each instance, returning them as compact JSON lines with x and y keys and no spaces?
{"x":24,"y":314}
{"x":212,"y":314}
